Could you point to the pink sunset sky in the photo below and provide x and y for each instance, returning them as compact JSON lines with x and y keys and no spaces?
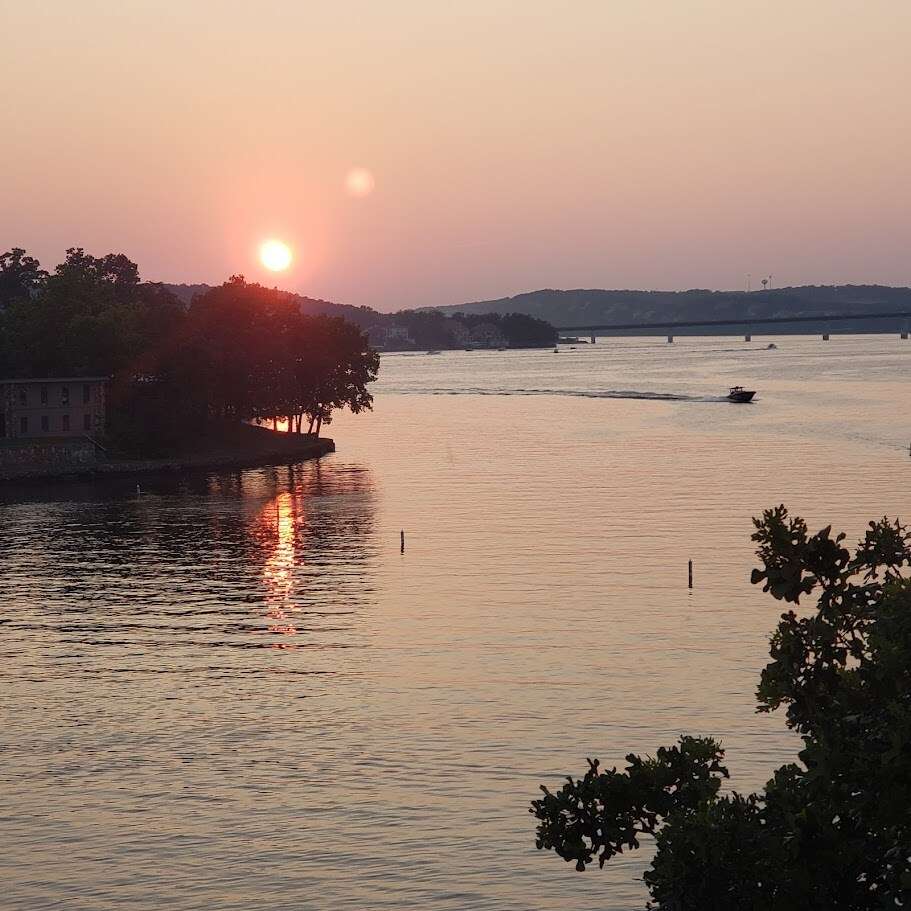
{"x":502,"y":146}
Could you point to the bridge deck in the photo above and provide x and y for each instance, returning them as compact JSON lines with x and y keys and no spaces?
{"x":743,"y":321}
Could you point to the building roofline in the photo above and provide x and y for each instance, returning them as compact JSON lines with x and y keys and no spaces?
{"x":21,"y":381}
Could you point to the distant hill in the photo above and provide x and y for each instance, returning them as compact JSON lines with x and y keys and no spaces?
{"x":363,"y":316}
{"x":421,"y":329}
{"x":582,"y":306}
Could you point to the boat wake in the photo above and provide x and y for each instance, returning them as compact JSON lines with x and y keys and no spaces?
{"x":573,"y":393}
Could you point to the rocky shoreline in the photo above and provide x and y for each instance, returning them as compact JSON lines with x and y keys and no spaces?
{"x":280,"y":449}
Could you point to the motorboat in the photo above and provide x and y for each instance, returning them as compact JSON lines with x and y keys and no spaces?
{"x":739,"y":394}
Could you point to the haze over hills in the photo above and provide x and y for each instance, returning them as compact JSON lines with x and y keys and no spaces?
{"x":581,"y":307}
{"x":421,"y":329}
{"x":434,"y":327}
{"x":311,"y":306}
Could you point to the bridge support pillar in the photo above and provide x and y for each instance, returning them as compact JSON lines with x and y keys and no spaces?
{"x":904,"y":335}
{"x":825,"y":337}
{"x":748,"y":337}
{"x":670,"y":339}
{"x":593,"y":340}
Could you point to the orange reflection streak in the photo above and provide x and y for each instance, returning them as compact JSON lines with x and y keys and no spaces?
{"x":279,"y":519}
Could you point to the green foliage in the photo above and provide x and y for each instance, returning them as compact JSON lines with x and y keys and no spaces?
{"x":832,"y":831}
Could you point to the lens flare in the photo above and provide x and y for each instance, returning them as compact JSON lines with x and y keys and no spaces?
{"x":359,"y":182}
{"x":275,"y":255}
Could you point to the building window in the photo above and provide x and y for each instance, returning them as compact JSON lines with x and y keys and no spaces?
{"x":23,"y":425}
{"x":44,"y":395}
{"x":86,"y":393}
{"x":66,"y":422}
{"x":23,"y":396}
{"x":86,"y":422}
{"x":64,"y":395}
{"x":45,"y":422}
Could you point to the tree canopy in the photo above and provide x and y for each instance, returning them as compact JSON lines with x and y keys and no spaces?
{"x":238,"y":352}
{"x":21,"y":276}
{"x":831,"y":831}
{"x":258,"y":357}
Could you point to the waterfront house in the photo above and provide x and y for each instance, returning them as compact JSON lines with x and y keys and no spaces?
{"x":52,"y":407}
{"x":390,"y":338}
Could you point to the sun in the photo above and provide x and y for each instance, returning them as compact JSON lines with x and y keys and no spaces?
{"x":275,"y":255}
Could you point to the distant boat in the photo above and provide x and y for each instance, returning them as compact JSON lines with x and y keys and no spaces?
{"x":771,"y":346}
{"x":433,"y":352}
{"x":556,"y":350}
{"x":739,"y":394}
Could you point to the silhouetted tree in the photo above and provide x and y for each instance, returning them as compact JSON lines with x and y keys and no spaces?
{"x":239,"y":352}
{"x":830,"y":832}
{"x":333,"y":369}
{"x":21,"y":276}
{"x":257,"y":356}
{"x":93,"y":316}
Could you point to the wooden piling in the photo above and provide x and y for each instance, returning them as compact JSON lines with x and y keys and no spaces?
{"x":402,"y":533}
{"x":690,"y":585}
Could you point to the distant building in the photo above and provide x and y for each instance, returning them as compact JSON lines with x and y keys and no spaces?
{"x":390,"y":337}
{"x":52,"y":407}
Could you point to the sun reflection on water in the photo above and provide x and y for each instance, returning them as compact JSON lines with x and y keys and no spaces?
{"x":280,"y":520}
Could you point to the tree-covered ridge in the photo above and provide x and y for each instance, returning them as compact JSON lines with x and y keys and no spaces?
{"x":238,"y":352}
{"x":581,"y":306}
{"x":832,"y":831}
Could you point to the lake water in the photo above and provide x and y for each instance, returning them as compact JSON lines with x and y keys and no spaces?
{"x":234,"y":692}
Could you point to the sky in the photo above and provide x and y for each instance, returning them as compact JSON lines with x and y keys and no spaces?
{"x":499,"y":147}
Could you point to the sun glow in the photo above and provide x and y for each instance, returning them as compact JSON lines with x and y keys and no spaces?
{"x":275,"y":255}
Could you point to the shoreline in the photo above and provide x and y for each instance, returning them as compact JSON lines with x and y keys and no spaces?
{"x":279,"y":452}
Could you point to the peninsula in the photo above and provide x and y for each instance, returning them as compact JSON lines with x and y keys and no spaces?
{"x":102,"y":373}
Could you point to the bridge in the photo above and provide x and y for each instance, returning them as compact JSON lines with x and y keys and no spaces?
{"x":745,"y":322}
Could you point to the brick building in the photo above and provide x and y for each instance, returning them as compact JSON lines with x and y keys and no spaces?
{"x":52,"y":407}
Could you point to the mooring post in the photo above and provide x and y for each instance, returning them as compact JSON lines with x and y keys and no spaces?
{"x":690,"y":585}
{"x":403,"y":540}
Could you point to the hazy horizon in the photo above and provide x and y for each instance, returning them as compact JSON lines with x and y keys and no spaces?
{"x":418,"y":156}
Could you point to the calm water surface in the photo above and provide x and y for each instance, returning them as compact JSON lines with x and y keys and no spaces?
{"x":233,"y":692}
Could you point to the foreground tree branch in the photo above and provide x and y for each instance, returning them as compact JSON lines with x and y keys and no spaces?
{"x":832,"y":831}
